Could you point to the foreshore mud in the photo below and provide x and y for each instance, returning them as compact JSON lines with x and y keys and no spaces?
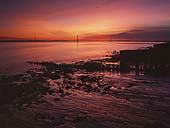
{"x":86,"y":94}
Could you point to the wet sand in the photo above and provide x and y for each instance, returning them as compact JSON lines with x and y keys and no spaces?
{"x":83,"y":95}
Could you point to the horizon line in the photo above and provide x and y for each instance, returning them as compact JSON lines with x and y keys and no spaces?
{"x":127,"y":40}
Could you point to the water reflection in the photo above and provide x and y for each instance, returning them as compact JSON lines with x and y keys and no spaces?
{"x":14,"y":55}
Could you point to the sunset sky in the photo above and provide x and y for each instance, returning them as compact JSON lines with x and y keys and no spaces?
{"x":91,"y":19}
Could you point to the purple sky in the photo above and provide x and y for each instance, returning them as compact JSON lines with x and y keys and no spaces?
{"x":101,"y":19}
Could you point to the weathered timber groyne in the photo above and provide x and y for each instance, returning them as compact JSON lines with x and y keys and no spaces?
{"x":155,"y":59}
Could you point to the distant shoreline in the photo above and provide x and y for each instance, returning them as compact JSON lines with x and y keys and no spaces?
{"x":83,"y":40}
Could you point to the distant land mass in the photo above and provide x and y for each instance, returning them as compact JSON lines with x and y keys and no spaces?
{"x":24,"y":40}
{"x":156,"y":34}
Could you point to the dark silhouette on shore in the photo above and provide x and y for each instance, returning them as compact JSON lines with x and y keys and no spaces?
{"x":152,"y":60}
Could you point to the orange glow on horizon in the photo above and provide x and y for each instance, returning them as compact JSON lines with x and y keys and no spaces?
{"x":64,"y":20}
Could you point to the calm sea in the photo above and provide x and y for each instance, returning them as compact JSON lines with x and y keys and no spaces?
{"x":13,"y":56}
